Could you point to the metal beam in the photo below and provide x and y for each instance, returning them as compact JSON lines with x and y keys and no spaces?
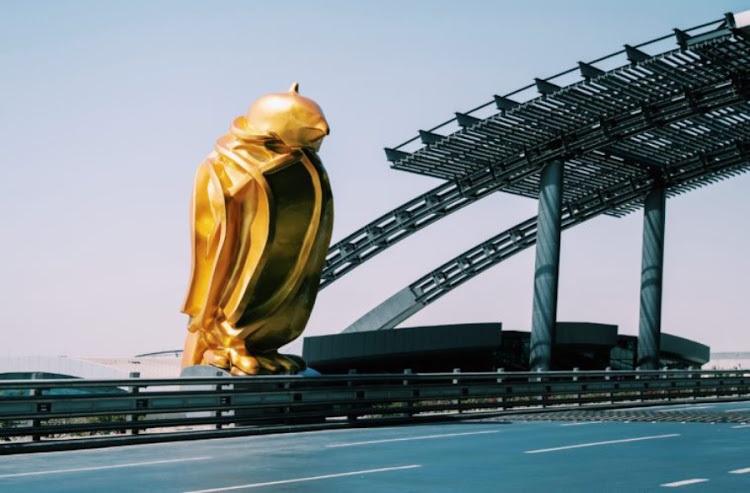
{"x":465,"y":120}
{"x":430,"y":137}
{"x":588,"y":71}
{"x":682,"y":38}
{"x":505,"y":104}
{"x":546,"y":87}
{"x":388,"y":314}
{"x":394,"y":155}
{"x":648,"y":164}
{"x":635,"y":55}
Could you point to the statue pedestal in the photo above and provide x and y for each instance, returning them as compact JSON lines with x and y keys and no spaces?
{"x":204,"y":371}
{"x":212,"y":371}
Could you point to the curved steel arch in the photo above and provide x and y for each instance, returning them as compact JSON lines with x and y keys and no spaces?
{"x":719,"y":164}
{"x":673,"y":105}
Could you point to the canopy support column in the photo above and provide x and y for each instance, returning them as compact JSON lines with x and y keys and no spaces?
{"x":652,"y":267}
{"x":546,"y":270}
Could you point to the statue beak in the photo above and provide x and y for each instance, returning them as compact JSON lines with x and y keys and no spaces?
{"x":316,"y":135}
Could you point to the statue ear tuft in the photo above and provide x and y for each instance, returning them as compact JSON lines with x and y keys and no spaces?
{"x":294,"y":88}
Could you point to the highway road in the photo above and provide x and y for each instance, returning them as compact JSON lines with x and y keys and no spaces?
{"x":472,"y":456}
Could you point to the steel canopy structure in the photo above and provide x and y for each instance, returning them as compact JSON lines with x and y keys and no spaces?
{"x":722,"y":163}
{"x":589,"y":141}
{"x":640,"y":119}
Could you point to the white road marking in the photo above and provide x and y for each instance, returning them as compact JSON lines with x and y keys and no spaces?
{"x":302,"y":480}
{"x":740,"y":471}
{"x":99,"y":468}
{"x":737,"y":410}
{"x":406,"y":439}
{"x":683,"y":408}
{"x":741,"y":426}
{"x":653,"y":408}
{"x":594,"y":444}
{"x":583,"y":423}
{"x":685,"y":482}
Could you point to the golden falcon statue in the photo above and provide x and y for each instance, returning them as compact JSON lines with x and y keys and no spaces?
{"x":262,"y":214}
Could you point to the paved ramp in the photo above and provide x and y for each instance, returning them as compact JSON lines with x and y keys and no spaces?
{"x":738,"y":413}
{"x":477,"y":456}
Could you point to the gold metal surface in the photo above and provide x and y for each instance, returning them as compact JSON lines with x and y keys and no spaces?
{"x":262,"y":214}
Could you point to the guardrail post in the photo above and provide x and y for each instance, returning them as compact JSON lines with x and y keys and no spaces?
{"x":665,"y":376}
{"x":218,"y":413}
{"x":607,"y":378}
{"x":35,"y":423}
{"x":409,"y":404}
{"x":690,"y":378}
{"x":353,"y":416}
{"x":738,"y":389}
{"x":541,"y":397}
{"x":132,"y":417}
{"x":455,"y":382}
{"x":575,"y":379}
{"x":500,"y":381}
{"x":640,"y":390}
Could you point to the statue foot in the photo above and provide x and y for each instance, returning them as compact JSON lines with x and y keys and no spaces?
{"x":274,"y":362}
{"x":240,"y":363}
{"x":243,"y":362}
{"x":236,"y":361}
{"x":218,"y":358}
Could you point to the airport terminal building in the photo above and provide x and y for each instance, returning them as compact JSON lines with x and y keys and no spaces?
{"x":162,"y":364}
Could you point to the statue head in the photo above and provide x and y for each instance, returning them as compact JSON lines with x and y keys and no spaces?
{"x":296,"y":120}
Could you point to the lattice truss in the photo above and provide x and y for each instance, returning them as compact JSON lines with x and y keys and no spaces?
{"x":680,"y":119}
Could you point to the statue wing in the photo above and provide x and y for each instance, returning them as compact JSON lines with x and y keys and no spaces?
{"x":282,"y":255}
{"x":208,"y":228}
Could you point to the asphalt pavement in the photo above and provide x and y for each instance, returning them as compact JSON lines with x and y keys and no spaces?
{"x":472,"y":456}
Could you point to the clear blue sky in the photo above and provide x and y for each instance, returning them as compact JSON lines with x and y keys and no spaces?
{"x":107,"y":108}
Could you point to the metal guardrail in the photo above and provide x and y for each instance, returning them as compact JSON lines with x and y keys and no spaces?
{"x":65,"y":414}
